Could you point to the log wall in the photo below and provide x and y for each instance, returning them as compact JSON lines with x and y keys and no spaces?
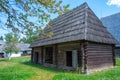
{"x":99,"y":57}
{"x":91,"y":56}
{"x":37,"y":49}
{"x":62,"y":54}
{"x":59,"y":54}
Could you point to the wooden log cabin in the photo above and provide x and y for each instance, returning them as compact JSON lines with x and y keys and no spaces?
{"x":80,"y":41}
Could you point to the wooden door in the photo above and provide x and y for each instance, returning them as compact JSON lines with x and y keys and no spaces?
{"x":74,"y":59}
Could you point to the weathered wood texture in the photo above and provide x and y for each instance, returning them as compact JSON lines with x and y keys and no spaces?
{"x":83,"y":46}
{"x":32,"y":57}
{"x":41,"y":57}
{"x":56,"y":55}
{"x":37,"y":50}
{"x":66,"y":28}
{"x":95,"y":29}
{"x":42,"y":54}
{"x":59,"y":54}
{"x":62,"y":54}
{"x":78,"y":24}
{"x":91,"y":56}
{"x":113,"y":55}
{"x":99,"y":56}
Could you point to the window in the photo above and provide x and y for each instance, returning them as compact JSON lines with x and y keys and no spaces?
{"x":69,"y":58}
{"x":49,"y":55}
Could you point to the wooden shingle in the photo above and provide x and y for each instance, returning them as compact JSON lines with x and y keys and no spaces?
{"x":79,"y":24}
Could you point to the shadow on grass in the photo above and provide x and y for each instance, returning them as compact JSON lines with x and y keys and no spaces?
{"x":50,"y":69}
{"x":4,"y":59}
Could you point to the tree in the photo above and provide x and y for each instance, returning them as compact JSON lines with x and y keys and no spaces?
{"x":1,"y":38}
{"x":24,"y":15}
{"x":11,"y":37}
{"x":31,"y":36}
{"x":11,"y":44}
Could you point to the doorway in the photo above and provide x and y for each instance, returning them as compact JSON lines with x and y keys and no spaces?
{"x":69,"y":58}
{"x":36,"y":57}
{"x":75,"y":59}
{"x":49,"y":55}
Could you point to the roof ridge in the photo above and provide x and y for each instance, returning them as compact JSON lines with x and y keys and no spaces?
{"x":84,"y":4}
{"x":86,"y":18}
{"x":79,"y":24}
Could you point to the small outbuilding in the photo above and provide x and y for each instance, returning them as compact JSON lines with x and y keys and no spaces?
{"x":24,"y":49}
{"x":80,"y":41}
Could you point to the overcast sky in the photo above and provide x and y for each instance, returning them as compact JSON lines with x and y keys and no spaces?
{"x":101,"y":8}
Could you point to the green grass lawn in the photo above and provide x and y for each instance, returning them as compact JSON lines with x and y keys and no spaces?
{"x":22,"y":69}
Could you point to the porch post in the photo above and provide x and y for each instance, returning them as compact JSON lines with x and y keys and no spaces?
{"x":84,"y":57}
{"x":113,"y":55}
{"x":32,"y":55}
{"x":75,"y":59}
{"x":42,"y":54}
{"x":56,"y":55}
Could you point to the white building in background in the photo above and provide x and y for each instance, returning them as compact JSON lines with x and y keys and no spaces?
{"x":24,"y":50}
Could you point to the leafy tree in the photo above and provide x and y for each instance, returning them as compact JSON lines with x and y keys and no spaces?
{"x":31,"y":36}
{"x":1,"y":38}
{"x":11,"y":44}
{"x":11,"y":37}
{"x":24,"y":15}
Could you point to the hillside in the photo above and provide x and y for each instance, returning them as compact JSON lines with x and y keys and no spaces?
{"x":112,"y":23}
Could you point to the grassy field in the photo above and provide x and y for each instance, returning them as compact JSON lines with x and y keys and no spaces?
{"x":22,"y":69}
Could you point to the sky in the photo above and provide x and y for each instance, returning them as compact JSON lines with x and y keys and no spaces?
{"x":101,"y":8}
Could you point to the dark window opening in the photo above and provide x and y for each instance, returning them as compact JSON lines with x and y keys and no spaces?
{"x":36,"y":57}
{"x":49,"y":55}
{"x":69,"y":58}
{"x":1,"y":55}
{"x":24,"y":52}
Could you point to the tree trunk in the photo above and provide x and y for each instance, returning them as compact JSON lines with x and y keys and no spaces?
{"x":9,"y":56}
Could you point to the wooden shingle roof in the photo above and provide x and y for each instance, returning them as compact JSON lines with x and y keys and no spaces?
{"x":79,"y":24}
